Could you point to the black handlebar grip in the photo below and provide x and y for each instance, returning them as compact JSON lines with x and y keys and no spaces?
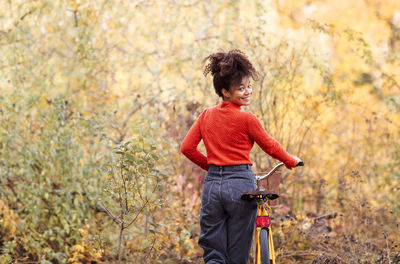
{"x":301,"y":163}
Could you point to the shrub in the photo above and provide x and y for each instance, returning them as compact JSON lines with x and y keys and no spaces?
{"x":49,"y":165}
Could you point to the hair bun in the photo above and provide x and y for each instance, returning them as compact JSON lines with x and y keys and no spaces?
{"x":227,"y":66}
{"x":226,"y":63}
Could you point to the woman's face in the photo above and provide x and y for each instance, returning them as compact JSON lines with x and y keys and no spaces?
{"x":240,"y":94}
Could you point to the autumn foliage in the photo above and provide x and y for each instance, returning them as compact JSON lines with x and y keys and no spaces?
{"x":96,"y":97}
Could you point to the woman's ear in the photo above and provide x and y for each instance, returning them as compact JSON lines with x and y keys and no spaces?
{"x":225,"y":93}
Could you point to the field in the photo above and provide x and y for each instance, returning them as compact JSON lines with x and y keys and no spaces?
{"x":97,"y":95}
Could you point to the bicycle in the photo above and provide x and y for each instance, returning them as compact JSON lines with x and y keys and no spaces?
{"x":263,"y":245}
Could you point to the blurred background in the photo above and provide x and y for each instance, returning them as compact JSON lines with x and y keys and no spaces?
{"x":97,"y":95}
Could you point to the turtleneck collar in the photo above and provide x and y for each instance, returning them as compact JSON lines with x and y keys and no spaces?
{"x":230,"y":105}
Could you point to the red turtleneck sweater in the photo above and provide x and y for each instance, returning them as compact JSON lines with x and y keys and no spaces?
{"x":228,"y":135}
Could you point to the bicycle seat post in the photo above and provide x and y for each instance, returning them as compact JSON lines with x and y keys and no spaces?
{"x":259,"y":186}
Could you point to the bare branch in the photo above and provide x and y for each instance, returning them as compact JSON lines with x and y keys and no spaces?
{"x":138,"y":213}
{"x":28,"y":13}
{"x":326,"y":216}
{"x":104,"y":209}
{"x":387,"y":247}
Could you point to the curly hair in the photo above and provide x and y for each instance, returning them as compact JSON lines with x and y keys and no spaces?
{"x":228,"y":69}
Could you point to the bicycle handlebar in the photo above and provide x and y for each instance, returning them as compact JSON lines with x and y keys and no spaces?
{"x":259,"y":178}
{"x":301,"y":163}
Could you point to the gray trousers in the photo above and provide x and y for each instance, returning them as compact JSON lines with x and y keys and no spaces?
{"x":227,"y":222}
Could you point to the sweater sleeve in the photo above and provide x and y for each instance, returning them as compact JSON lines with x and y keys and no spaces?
{"x":267,"y":143}
{"x":190,"y":143}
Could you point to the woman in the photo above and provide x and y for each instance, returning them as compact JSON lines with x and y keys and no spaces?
{"x":226,"y":221}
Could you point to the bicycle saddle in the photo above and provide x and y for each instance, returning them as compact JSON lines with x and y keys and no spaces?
{"x":251,"y":195}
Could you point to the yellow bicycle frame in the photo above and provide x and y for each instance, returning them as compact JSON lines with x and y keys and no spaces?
{"x":263,"y":210}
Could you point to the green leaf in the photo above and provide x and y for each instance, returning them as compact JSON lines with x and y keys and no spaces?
{"x":154,"y":231}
